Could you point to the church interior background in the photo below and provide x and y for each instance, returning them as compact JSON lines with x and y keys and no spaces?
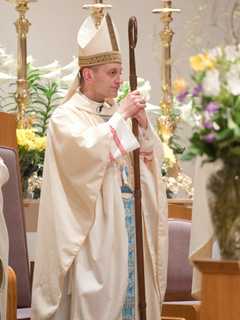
{"x":202,"y":24}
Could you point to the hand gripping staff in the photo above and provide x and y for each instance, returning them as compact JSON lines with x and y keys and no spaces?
{"x":132,"y":35}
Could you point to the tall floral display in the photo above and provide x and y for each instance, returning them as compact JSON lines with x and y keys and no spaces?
{"x":215,"y":112}
{"x":215,"y":104}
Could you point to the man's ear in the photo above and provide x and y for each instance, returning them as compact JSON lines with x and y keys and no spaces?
{"x":87,"y":74}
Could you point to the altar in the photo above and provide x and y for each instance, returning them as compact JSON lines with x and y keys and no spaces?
{"x":220,"y":289}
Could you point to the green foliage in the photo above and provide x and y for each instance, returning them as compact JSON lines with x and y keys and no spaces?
{"x":31,"y":161}
{"x":45,"y":99}
{"x":44,"y":96}
{"x":175,"y":146}
{"x":123,"y":91}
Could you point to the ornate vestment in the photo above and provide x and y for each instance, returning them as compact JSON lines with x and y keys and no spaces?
{"x":3,"y":244}
{"x":81,"y":269}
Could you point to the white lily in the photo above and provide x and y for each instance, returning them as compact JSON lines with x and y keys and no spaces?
{"x":211,"y":83}
{"x":2,"y":52}
{"x":50,"y":67}
{"x":9,"y":64}
{"x":62,"y":92}
{"x":233,"y":80}
{"x":215,"y":53}
{"x":144,"y":88}
{"x":186,"y":113}
{"x":54,"y":75}
{"x":30,"y":59}
{"x":232,"y":53}
{"x":69,"y":78}
{"x":72,"y":66}
{"x":4,"y":77}
{"x":153,"y":109}
{"x":3,"y":59}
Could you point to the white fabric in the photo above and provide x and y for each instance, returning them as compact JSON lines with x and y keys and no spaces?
{"x":3,"y":244}
{"x":122,"y":130}
{"x":201,"y":244}
{"x":81,"y":268}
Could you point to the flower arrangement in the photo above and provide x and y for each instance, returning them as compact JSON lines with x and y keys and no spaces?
{"x":214,"y":104}
{"x":215,"y":111}
{"x":31,"y":148}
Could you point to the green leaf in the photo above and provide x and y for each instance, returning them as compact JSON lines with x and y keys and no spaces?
{"x":224,"y":134}
{"x":190,"y":153}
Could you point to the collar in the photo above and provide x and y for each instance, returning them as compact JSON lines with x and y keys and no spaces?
{"x":81,"y":102}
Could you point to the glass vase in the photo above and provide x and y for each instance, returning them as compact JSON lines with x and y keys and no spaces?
{"x":224,"y":204}
{"x":25,"y":188}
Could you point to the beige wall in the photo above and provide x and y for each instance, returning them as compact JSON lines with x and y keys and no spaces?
{"x":55,"y":24}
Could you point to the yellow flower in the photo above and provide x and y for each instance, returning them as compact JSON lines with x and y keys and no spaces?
{"x":40,"y":143}
{"x":28,"y":139}
{"x":201,"y":62}
{"x":25,"y":137}
{"x":179,"y":86}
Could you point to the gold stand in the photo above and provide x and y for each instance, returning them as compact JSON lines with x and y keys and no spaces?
{"x":97,"y":10}
{"x":165,"y":124}
{"x":22,"y":26}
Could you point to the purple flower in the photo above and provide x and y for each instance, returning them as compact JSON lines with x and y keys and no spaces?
{"x":198,"y":89}
{"x":209,"y":138}
{"x":212,"y":107}
{"x":208,"y":124}
{"x":182,"y":96}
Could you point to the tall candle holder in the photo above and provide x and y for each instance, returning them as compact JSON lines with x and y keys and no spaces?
{"x":22,"y":27}
{"x":165,"y":124}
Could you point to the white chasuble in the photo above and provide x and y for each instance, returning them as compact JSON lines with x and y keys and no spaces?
{"x":3,"y":245}
{"x":81,"y":270}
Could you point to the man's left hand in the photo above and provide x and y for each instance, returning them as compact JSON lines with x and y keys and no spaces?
{"x":142,"y":119}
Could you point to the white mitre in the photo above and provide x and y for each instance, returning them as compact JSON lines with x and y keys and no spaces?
{"x":98,"y":45}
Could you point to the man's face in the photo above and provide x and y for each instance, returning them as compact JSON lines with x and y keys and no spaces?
{"x":106,"y":80}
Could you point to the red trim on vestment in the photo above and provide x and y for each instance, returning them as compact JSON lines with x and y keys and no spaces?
{"x":117,"y":141}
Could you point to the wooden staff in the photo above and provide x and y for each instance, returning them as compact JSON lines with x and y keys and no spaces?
{"x":132,"y":35}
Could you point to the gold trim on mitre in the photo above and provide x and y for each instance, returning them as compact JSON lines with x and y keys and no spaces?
{"x":100,"y":58}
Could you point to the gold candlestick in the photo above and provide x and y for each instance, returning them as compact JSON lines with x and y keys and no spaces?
{"x":165,"y":125}
{"x":22,"y":26}
{"x":97,"y":10}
